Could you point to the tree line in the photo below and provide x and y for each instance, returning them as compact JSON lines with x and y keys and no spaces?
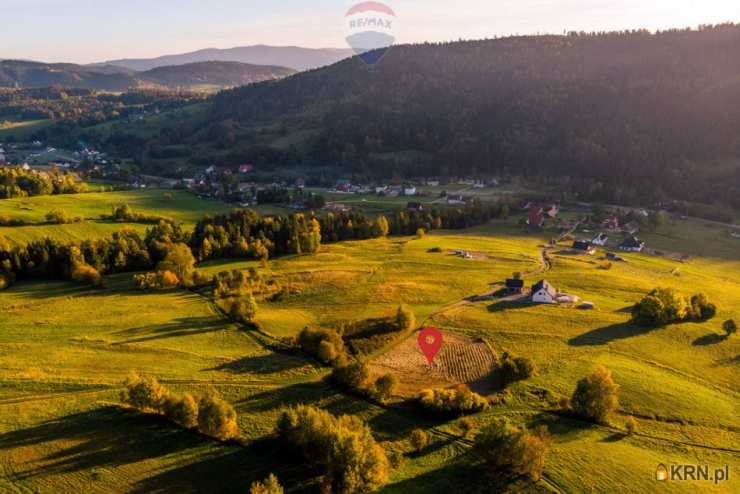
{"x":17,"y":182}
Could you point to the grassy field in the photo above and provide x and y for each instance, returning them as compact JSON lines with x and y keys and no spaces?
{"x":22,"y":131}
{"x":66,"y":349}
{"x":183,"y":208}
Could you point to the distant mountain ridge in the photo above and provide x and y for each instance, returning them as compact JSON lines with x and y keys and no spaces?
{"x":22,"y":74}
{"x":295,"y":57}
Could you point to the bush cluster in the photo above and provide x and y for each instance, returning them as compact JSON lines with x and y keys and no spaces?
{"x":84,"y":273}
{"x":59,"y":217}
{"x":665,"y":306}
{"x":268,"y":486}
{"x":514,"y":369}
{"x":456,"y":401}
{"x":158,"y":280}
{"x":357,"y":378}
{"x":343,"y":447}
{"x":511,"y":450}
{"x":596,"y":396}
{"x":125,"y":214}
{"x":209,"y":413}
{"x":325,"y":344}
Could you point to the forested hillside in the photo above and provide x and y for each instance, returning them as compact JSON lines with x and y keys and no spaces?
{"x":626,"y":117}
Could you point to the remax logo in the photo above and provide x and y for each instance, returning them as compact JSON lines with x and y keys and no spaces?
{"x":369,"y":27}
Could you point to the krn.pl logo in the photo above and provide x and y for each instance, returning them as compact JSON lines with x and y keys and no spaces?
{"x":369,"y":28}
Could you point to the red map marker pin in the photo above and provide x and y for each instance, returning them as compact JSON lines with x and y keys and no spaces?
{"x":430,"y":342}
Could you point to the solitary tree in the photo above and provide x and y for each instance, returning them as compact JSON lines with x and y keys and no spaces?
{"x":179,"y":260}
{"x":511,"y":450}
{"x":730,"y":327}
{"x":405,"y":318}
{"x":596,"y":396}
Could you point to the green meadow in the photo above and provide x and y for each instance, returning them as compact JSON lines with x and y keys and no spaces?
{"x":65,"y":350}
{"x":182,"y":207}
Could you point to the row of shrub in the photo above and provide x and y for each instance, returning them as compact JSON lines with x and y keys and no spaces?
{"x":209,"y":414}
{"x":456,"y":401}
{"x":17,"y":182}
{"x":125,"y":214}
{"x":665,"y":306}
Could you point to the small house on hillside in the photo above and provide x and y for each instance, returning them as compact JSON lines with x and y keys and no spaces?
{"x":514,"y":285}
{"x":632,"y":244}
{"x":551,"y":210}
{"x":246,"y":168}
{"x":536,"y":218}
{"x":416,"y":206}
{"x":611,"y":223}
{"x":600,"y":239}
{"x":583,"y":247}
{"x":544,"y":293}
{"x":409,"y":190}
{"x":455,"y":199}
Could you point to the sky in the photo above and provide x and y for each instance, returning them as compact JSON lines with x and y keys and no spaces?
{"x":86,"y":31}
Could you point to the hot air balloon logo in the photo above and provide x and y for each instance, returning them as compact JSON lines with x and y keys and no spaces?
{"x":369,"y":28}
{"x":661,"y":474}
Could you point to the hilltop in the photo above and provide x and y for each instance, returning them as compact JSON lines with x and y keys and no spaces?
{"x":20,"y":74}
{"x":295,"y":57}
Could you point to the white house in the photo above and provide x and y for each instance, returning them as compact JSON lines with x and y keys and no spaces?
{"x":544,"y":293}
{"x":409,"y":190}
{"x":600,"y":239}
{"x":632,"y":244}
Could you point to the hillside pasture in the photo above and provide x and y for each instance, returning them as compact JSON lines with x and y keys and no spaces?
{"x":67,"y":348}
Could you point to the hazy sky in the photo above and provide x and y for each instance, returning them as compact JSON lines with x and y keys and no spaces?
{"x":95,"y":30}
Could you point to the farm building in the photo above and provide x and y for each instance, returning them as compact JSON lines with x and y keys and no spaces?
{"x":632,"y":244}
{"x":536,"y":218}
{"x":583,"y":247}
{"x":600,"y":239}
{"x":514,"y":285}
{"x":455,"y":199}
{"x":611,"y":223}
{"x":544,"y":293}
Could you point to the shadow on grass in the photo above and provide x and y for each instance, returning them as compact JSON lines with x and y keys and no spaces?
{"x":607,"y":334}
{"x":103,"y":438}
{"x":90,"y":443}
{"x":507,"y":305}
{"x":271,"y":363}
{"x":710,"y":339}
{"x":184,"y":326}
{"x":460,"y":476}
{"x":293,"y":395}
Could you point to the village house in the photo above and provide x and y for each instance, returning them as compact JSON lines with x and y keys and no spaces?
{"x":246,"y":168}
{"x":343,"y":185}
{"x":632,"y":244}
{"x":544,"y":293}
{"x":600,"y":239}
{"x":551,"y":210}
{"x":381,"y":189}
{"x":514,"y":286}
{"x":455,"y":199}
{"x":536,"y":218}
{"x":583,"y":247}
{"x":611,"y":223}
{"x":416,"y":206}
{"x":409,"y":190}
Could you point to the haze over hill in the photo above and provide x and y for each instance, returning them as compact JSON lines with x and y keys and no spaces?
{"x":20,"y":74}
{"x":295,"y":57}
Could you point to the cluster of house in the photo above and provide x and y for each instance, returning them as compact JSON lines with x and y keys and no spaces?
{"x":588,"y":247}
{"x":611,"y":223}
{"x":538,"y":214}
